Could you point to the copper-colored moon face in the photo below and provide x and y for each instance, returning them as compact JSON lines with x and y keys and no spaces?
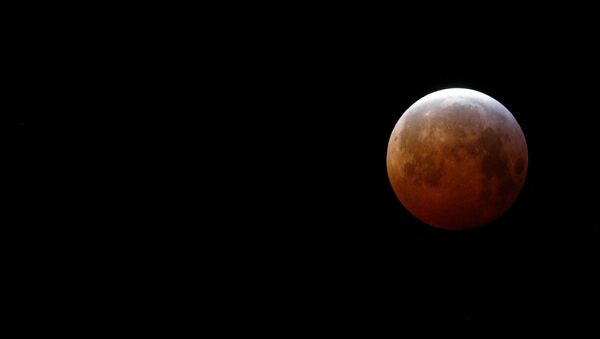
{"x":457,"y":159}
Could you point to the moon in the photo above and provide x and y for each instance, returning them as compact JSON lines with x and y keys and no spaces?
{"x":457,"y":159}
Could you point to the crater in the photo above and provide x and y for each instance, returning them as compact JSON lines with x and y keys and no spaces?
{"x":457,"y":121}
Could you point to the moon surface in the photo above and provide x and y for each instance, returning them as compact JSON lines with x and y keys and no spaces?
{"x":457,"y":159}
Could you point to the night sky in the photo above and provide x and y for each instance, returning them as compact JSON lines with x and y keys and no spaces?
{"x":171,"y":173}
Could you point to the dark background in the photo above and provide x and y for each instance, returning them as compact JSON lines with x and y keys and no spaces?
{"x":187,"y":169}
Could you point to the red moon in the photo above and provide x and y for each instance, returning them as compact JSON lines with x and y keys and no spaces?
{"x":457,"y":159}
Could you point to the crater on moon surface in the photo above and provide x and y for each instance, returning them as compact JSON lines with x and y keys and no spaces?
{"x":457,"y":159}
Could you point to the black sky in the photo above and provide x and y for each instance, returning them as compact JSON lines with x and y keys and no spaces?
{"x":173,"y":172}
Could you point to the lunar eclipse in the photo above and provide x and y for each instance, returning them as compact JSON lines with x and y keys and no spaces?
{"x":457,"y":159}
